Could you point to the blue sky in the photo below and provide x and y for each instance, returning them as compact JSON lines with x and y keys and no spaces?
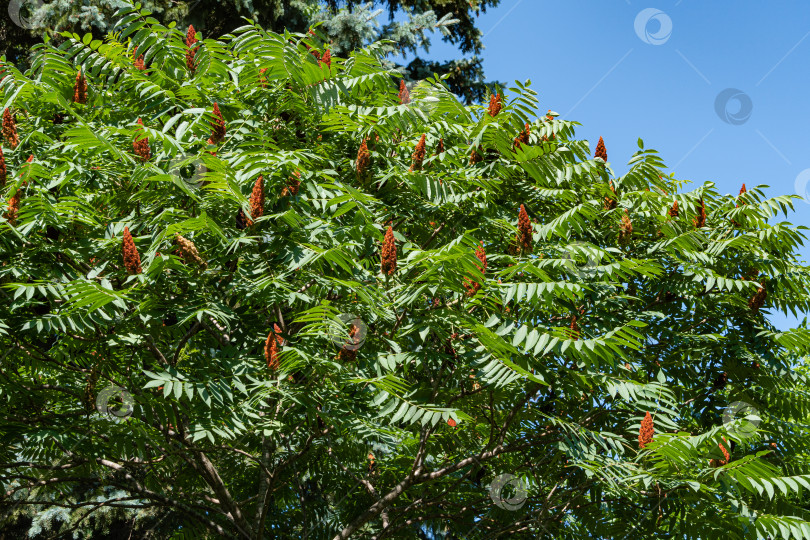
{"x":588,"y":63}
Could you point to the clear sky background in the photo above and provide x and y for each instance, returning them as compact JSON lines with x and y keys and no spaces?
{"x":588,"y":63}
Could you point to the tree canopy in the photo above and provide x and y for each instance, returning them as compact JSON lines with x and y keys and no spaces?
{"x":254,"y":290}
{"x":349,"y":24}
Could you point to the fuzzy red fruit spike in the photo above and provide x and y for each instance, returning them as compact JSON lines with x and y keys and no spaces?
{"x":141,"y":146}
{"x":191,"y":51}
{"x":10,"y":129}
{"x":418,"y":155}
{"x":574,"y":327}
{"x":601,"y":151}
{"x":523,"y":137}
{"x":272,"y":347}
{"x":3,"y":171}
{"x":217,"y":125}
{"x":645,"y":434}
{"x":389,"y":253}
{"x":740,"y":199}
{"x":262,"y":78}
{"x":726,"y":455}
{"x":625,"y":230}
{"x":451,"y":422}
{"x":257,"y":200}
{"x":473,"y":286}
{"x":404,"y":95}
{"x":326,"y":59}
{"x":80,"y":89}
{"x":494,"y":105}
{"x":138,"y":61}
{"x":673,"y":212}
{"x":475,"y":157}
{"x":524,"y":237}
{"x":363,"y":163}
{"x":758,"y":300}
{"x":700,"y":219}
{"x":440,"y":147}
{"x":132,"y":259}
{"x":14,"y":207}
{"x":293,"y":185}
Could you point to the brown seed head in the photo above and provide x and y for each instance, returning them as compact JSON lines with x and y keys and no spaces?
{"x":610,"y":202}
{"x":293,"y":185}
{"x":80,"y":89}
{"x":625,"y":230}
{"x":389,"y":253}
{"x":601,"y":151}
{"x":494,"y":105}
{"x":326,"y":59}
{"x":272,"y":347}
{"x":473,"y":286}
{"x":14,"y":207}
{"x":138,"y":61}
{"x":418,"y":155}
{"x":404,"y":95}
{"x":740,"y":198}
{"x":141,"y":146}
{"x":475,"y":156}
{"x":132,"y":260}
{"x":673,"y":212}
{"x":645,"y":434}
{"x":191,"y":50}
{"x":574,"y":327}
{"x":10,"y":129}
{"x":700,"y":219}
{"x":524,"y":237}
{"x":758,"y":300}
{"x":363,"y":163}
{"x":217,"y":126}
{"x":523,"y":137}
{"x":440,"y":147}
{"x":726,"y":455}
{"x":188,"y":251}
{"x":257,"y":200}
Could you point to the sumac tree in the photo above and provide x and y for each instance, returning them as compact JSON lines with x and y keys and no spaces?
{"x":249,"y":291}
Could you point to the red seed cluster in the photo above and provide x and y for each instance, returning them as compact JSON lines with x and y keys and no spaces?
{"x":14,"y":207}
{"x":272,"y":347}
{"x":138,"y":61}
{"x":363,"y":163}
{"x":610,"y":202}
{"x":673,"y":212}
{"x":389,"y":253}
{"x":473,"y":286}
{"x":217,"y":126}
{"x":188,"y":251}
{"x":523,"y":137}
{"x":257,"y":200}
{"x":326,"y":59}
{"x":350,"y":355}
{"x":495,"y":105}
{"x":758,"y":300}
{"x":440,"y":147}
{"x":262,"y":78}
{"x":625,"y":230}
{"x":475,"y":156}
{"x":740,"y":199}
{"x":191,"y":51}
{"x":574,"y":328}
{"x":726,"y":454}
{"x":645,"y":434}
{"x":80,"y":89}
{"x":524,"y":236}
{"x":141,"y":146}
{"x":132,"y":260}
{"x":10,"y":129}
{"x":404,"y":95}
{"x":601,"y":151}
{"x":418,"y":155}
{"x":293,"y":185}
{"x":700,"y":219}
